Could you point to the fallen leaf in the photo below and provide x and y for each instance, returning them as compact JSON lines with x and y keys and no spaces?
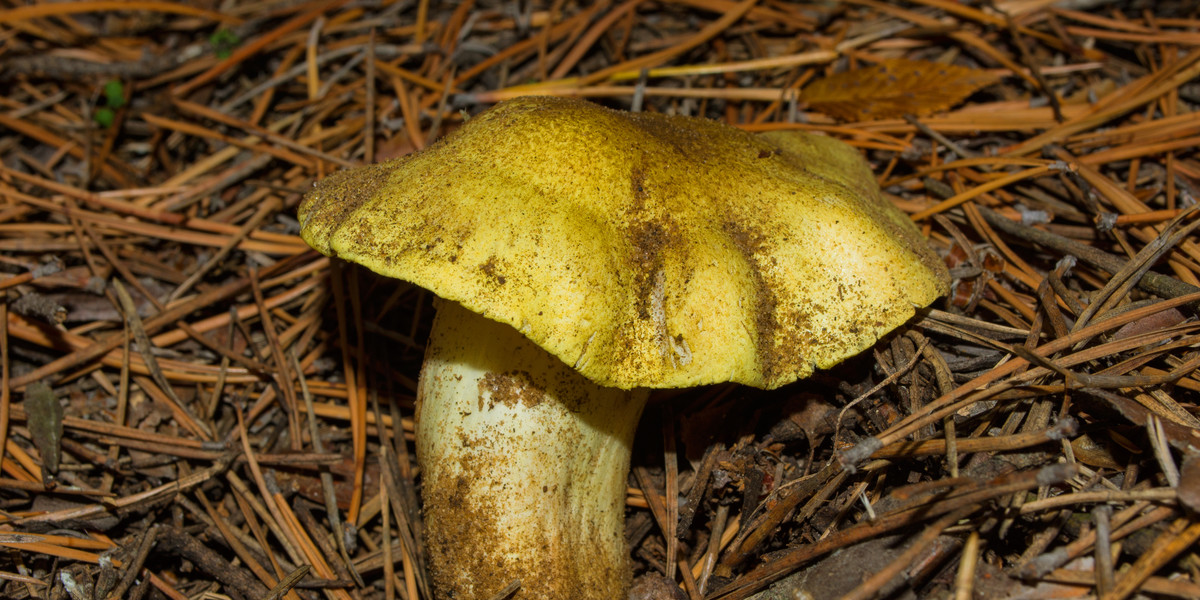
{"x":1094,"y":454}
{"x":45,"y":425}
{"x":894,"y":88}
{"x":1189,"y":483}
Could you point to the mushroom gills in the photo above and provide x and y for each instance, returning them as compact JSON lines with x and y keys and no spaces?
{"x":524,"y":464}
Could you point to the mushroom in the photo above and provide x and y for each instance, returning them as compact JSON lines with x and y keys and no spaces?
{"x":584,"y":256}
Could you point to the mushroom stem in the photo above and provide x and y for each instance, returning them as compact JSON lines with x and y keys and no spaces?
{"x":524,"y":463}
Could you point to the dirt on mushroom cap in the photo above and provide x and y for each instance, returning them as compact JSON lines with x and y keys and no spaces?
{"x":646,"y":250}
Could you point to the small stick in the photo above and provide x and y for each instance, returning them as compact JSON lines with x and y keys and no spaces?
{"x":1178,"y":538}
{"x":1155,"y":283}
{"x":1103,"y":550}
{"x":689,"y":582}
{"x":672,"y":488}
{"x":507,"y":590}
{"x":208,"y":561}
{"x":389,"y":564}
{"x":239,"y":546}
{"x":1162,"y":450}
{"x":1064,"y":429}
{"x":1054,"y":559}
{"x":135,"y":566}
{"x":714,"y":547}
{"x":331,"y":508}
{"x":964,"y":583}
{"x":288,"y":583}
{"x":264,"y":210}
{"x":5,"y":388}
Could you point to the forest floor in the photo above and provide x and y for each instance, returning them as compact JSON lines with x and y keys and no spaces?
{"x":187,"y":386}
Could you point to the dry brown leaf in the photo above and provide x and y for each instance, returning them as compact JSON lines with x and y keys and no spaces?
{"x":894,"y":88}
{"x":45,"y":426}
{"x":1189,"y":483}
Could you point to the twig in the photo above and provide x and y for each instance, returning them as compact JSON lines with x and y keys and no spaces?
{"x":287,"y":583}
{"x":134,"y":567}
{"x":507,"y":591}
{"x":175,"y":541}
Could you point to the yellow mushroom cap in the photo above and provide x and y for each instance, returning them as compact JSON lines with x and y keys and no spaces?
{"x":645,"y":250}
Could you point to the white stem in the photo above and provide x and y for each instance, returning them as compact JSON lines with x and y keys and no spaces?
{"x":524,"y":463}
